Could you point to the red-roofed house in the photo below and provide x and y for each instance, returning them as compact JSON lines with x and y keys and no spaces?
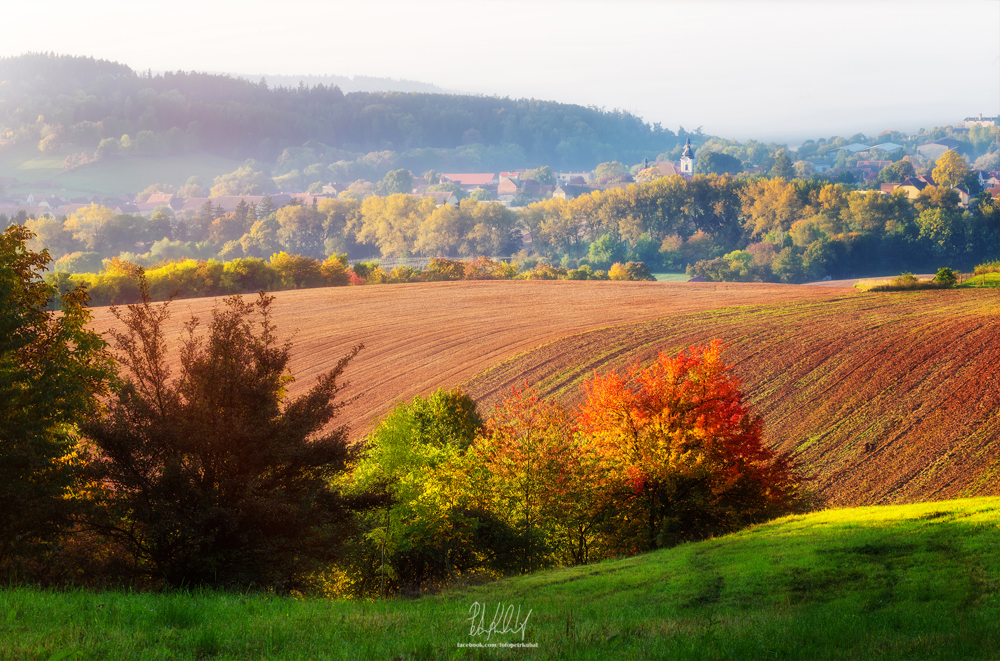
{"x":471,"y":180}
{"x":158,"y":199}
{"x":507,"y":186}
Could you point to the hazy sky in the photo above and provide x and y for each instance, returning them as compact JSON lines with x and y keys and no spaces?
{"x":769,"y":70}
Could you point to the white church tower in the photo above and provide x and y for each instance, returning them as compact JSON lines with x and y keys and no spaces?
{"x":687,"y":158}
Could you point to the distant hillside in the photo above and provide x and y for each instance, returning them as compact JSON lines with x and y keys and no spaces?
{"x":348,"y":84}
{"x":56,"y":102}
{"x":885,"y":398}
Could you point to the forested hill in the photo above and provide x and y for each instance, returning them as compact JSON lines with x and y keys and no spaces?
{"x":79,"y":101}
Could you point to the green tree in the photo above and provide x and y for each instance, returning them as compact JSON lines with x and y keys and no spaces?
{"x":897,"y":172}
{"x":782,"y":166}
{"x":422,"y":532}
{"x":52,"y":370}
{"x":543,"y":175}
{"x":788,"y":266}
{"x":397,"y":181}
{"x":714,"y":162}
{"x":215,"y":477}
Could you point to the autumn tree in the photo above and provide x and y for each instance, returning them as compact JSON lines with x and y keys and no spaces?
{"x":52,"y":371}
{"x":770,"y":204}
{"x":529,"y":467}
{"x":684,"y":451}
{"x":950,"y":170}
{"x":87,"y":223}
{"x":216,"y":477}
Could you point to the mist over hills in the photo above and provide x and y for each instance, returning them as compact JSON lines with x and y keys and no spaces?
{"x":80,"y":101}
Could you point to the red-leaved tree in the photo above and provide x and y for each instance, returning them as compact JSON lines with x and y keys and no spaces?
{"x":683,"y":452}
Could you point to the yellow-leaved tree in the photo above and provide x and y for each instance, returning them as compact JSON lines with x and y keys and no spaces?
{"x":86,"y":223}
{"x":950,"y":169}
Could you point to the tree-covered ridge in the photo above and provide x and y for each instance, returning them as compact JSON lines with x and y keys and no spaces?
{"x":83,"y":101}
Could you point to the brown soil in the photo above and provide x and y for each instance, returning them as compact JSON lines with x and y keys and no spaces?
{"x":884,"y":398}
{"x":420,"y":337}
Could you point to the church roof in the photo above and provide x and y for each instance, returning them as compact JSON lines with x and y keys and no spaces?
{"x":687,"y":153}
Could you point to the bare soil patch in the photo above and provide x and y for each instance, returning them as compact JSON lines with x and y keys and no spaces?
{"x":885,"y":398}
{"x":419,"y":337}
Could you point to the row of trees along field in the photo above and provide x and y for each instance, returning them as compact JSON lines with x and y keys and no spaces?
{"x":117,"y":471}
{"x":715,"y":226}
{"x":64,"y":101}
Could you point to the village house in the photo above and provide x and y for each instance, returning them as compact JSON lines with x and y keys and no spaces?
{"x":913,"y":185}
{"x":568,"y":192}
{"x":470,"y":180}
{"x":508,"y":186}
{"x":567,"y":177}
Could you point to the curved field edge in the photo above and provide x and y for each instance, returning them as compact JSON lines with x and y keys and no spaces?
{"x":884,"y":398}
{"x":890,"y":582}
{"x":424,"y":336}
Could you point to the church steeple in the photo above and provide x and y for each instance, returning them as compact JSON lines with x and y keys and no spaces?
{"x":687,"y":158}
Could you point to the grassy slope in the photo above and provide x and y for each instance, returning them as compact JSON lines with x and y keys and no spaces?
{"x":913,"y":373}
{"x":977,"y":281}
{"x":916,"y":581}
{"x":112,"y":177}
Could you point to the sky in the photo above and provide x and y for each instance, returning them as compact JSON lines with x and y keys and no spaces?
{"x":783,"y":70}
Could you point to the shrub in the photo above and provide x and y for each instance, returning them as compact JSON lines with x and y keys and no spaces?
{"x":946,"y":277}
{"x":402,"y":274}
{"x":484,"y":268}
{"x":445,"y":269}
{"x":213,"y":478}
{"x":618,"y":272}
{"x":639,"y":272}
{"x":543,"y":272}
{"x":296,"y":270}
{"x":334,"y":271}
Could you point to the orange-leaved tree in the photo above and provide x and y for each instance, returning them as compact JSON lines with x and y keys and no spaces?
{"x":533,"y":474}
{"x":683,"y":451}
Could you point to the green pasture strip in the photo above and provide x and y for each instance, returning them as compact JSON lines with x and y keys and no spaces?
{"x":977,"y":281}
{"x":671,"y":277}
{"x":110,"y":176}
{"x":896,"y":582}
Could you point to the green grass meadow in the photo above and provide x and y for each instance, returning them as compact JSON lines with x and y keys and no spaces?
{"x":899,"y":582}
{"x":978,"y":281}
{"x":38,"y":172}
{"x":671,"y":277}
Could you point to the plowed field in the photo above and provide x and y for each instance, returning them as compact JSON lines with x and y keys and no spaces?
{"x":420,"y":337}
{"x":917,"y":375}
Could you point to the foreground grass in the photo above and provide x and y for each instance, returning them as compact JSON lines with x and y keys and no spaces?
{"x":912,"y":581}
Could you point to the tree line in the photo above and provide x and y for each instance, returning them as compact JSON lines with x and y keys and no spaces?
{"x":84,"y":101}
{"x":717,"y":226}
{"x":122,"y":466}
